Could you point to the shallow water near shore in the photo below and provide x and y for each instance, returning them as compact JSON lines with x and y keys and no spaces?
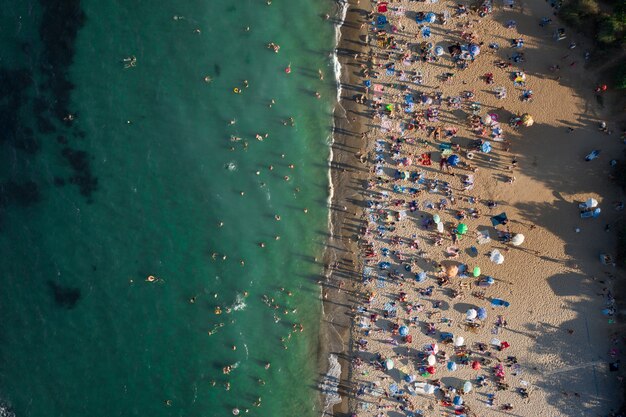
{"x":136,"y":183}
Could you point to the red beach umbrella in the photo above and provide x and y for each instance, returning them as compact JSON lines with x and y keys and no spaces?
{"x":431,"y":370}
{"x":476,"y":365}
{"x":382,"y":7}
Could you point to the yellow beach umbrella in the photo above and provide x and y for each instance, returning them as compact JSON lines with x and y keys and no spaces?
{"x":527,"y":120}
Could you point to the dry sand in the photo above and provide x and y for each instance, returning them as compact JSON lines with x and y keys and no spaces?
{"x":554,"y":281}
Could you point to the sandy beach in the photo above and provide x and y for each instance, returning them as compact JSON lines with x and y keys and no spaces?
{"x":435,"y":306}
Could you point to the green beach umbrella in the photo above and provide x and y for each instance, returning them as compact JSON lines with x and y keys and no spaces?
{"x":389,"y":107}
{"x":462,"y":228}
{"x":476,"y":272}
{"x":436,"y":218}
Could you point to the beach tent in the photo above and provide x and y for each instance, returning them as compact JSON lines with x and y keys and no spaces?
{"x":517,"y":239}
{"x":424,"y":387}
{"x":591,"y":203}
{"x":527,"y":120}
{"x":497,"y":302}
{"x":438,"y":50}
{"x":499,"y":219}
{"x":496,"y":257}
{"x":389,"y":364}
{"x":403,"y":330}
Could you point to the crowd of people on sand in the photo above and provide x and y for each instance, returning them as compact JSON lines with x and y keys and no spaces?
{"x":408,"y":337}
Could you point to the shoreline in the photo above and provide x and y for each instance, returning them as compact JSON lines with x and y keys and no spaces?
{"x":341,"y":262}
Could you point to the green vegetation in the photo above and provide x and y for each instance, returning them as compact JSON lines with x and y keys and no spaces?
{"x":604,"y":21}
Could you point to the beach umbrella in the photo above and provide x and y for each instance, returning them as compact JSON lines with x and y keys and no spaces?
{"x":486,"y":119}
{"x":451,"y":271}
{"x":436,"y":218}
{"x":382,"y":7}
{"x":381,"y":20}
{"x":486,"y":147}
{"x":440,"y":227}
{"x":367,"y":83}
{"x":495,"y":341}
{"x":496,"y":257}
{"x":474,"y":49}
{"x":384,"y":265}
{"x":389,"y":364}
{"x":517,"y":239}
{"x":467,"y":387}
{"x":527,"y":120}
{"x":476,"y":271}
{"x":482,"y":313}
{"x":420,"y":277}
{"x":462,"y":228}
{"x":438,"y":50}
{"x":403,"y":330}
{"x":426,"y":100}
{"x":476,"y":366}
{"x":431,"y":370}
{"x":490,"y":280}
{"x":453,"y":160}
{"x":431,"y":360}
{"x":389,"y":107}
{"x":591,"y":203}
{"x":408,"y":378}
{"x":457,"y":400}
{"x":451,"y":366}
{"x":430,"y":17}
{"x":471,"y":314}
{"x":434,"y":348}
{"x":459,"y":341}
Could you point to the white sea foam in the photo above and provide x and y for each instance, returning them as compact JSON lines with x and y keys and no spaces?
{"x":330,"y":384}
{"x":240,"y":303}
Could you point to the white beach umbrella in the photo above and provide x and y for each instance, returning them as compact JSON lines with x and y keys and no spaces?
{"x":459,"y":341}
{"x":518,"y":239}
{"x":487,"y":119}
{"x":440,"y":227}
{"x":496,"y":257}
{"x":432,"y":360}
{"x":389,"y":364}
{"x":592,"y":203}
{"x":471,"y":314}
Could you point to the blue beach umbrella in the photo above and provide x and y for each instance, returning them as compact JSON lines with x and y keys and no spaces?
{"x":474,"y":49}
{"x":420,"y":277}
{"x":438,"y":50}
{"x":457,"y":400}
{"x":430,"y":17}
{"x":403,"y":330}
{"x":453,"y":160}
{"x":482,"y":313}
{"x":384,"y":265}
{"x":381,"y":20}
{"x":367,"y":83}
{"x":486,"y":147}
{"x":452,"y":366}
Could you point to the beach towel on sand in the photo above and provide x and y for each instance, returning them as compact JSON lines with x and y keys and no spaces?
{"x":499,"y":219}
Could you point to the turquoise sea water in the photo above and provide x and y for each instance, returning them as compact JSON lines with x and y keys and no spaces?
{"x":137,"y":183}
